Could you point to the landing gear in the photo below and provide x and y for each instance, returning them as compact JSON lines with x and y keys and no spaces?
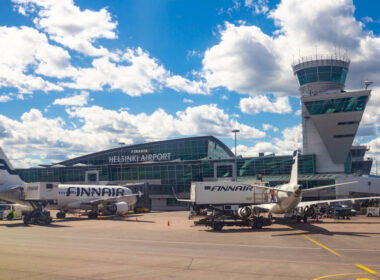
{"x":61,"y":215}
{"x":258,"y":223}
{"x":92,"y":215}
{"x":305,"y":219}
{"x":38,"y":216}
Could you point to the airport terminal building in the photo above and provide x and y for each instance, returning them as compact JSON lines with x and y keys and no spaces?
{"x":330,"y":119}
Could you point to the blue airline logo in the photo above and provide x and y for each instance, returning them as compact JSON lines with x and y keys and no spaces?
{"x":294,"y":155}
{"x":4,"y":166}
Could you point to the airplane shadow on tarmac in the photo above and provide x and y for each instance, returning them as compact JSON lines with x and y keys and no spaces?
{"x":130,"y":218}
{"x":310,"y":229}
{"x":12,"y":225}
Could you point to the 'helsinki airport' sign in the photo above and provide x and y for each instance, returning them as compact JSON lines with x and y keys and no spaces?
{"x":139,"y":158}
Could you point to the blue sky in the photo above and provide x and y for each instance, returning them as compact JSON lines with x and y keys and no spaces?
{"x":81,"y":76}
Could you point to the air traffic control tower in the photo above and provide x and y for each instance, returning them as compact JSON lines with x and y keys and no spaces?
{"x":330,"y":115}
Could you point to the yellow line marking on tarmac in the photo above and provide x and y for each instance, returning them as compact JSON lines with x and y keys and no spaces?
{"x":316,"y":242}
{"x":341,"y":274}
{"x":333,"y":252}
{"x":366,"y":269}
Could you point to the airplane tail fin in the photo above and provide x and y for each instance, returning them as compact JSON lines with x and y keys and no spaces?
{"x":294,"y":174}
{"x":8,"y":176}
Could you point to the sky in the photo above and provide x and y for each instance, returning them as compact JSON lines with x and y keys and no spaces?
{"x":80,"y":76}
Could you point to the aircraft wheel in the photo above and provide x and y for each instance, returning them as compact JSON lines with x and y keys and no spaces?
{"x":10,"y":216}
{"x":218,"y":226}
{"x":299,"y":219}
{"x":305,"y":219}
{"x":26,"y":220}
{"x":48,"y":221}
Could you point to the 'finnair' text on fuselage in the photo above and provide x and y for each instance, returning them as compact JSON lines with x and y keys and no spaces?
{"x":229,"y":188}
{"x":95,"y":191}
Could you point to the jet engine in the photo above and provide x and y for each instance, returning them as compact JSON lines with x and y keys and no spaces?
{"x":244,"y":212}
{"x":120,"y":208}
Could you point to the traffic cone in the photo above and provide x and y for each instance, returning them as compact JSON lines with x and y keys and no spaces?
{"x":137,"y":219}
{"x":168,"y":223}
{"x":100,"y":217}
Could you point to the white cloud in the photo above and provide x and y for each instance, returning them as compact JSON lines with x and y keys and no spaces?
{"x":267,"y":126}
{"x":247,"y":60}
{"x":261,"y":103}
{"x":38,"y":137}
{"x":68,"y":25}
{"x":5,"y":98}
{"x":279,"y":146}
{"x":136,"y":74}
{"x":74,"y":100}
{"x":258,"y":6}
{"x":185,"y":100}
{"x":179,"y":83}
{"x":23,"y":51}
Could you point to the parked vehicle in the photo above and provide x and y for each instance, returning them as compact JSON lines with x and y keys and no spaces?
{"x":373,"y":211}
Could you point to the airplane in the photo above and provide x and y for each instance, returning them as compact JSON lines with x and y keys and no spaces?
{"x":96,"y":198}
{"x":289,"y":196}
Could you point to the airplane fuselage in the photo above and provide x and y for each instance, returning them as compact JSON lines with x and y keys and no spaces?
{"x":74,"y":196}
{"x":286,"y":201}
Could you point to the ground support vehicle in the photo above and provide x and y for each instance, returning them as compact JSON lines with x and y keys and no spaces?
{"x":39,"y":215}
{"x":12,"y":211}
{"x":220,"y":218}
{"x":373,"y":211}
{"x":340,"y":212}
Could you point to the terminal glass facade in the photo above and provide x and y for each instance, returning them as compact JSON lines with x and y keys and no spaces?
{"x":338,"y":105}
{"x":322,"y":74}
{"x":175,"y":173}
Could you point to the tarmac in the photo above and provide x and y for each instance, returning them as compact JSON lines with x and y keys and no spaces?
{"x":166,"y":245}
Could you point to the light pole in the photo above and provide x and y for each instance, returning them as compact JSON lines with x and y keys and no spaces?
{"x":235,"y":131}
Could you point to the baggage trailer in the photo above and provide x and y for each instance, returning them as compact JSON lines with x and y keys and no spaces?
{"x":220,"y":218}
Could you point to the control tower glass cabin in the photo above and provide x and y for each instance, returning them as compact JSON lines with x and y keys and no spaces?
{"x":330,"y":115}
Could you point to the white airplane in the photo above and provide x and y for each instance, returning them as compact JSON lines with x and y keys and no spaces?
{"x":107,"y":199}
{"x":289,"y":196}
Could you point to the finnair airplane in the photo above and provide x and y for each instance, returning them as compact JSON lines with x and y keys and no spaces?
{"x":289,"y":196}
{"x":107,"y":199}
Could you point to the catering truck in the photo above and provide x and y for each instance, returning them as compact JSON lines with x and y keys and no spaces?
{"x":13,"y":211}
{"x":227,"y":203}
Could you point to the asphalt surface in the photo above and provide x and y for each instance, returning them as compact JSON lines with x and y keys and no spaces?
{"x":166,"y":245}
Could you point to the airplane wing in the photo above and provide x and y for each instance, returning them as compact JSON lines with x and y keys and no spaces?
{"x":316,"y":202}
{"x":96,"y":202}
{"x":269,"y":188}
{"x":265,"y":206}
{"x":327,"y":187}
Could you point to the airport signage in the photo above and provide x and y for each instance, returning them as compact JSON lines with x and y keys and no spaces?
{"x":139,"y":158}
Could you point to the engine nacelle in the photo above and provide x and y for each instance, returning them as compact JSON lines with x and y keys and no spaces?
{"x":120,"y":208}
{"x":244,"y":212}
